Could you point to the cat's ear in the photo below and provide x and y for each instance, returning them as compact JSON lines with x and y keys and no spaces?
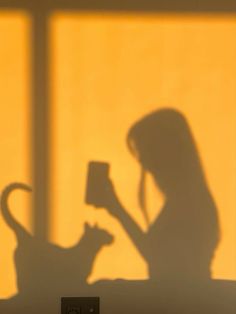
{"x":86,"y":226}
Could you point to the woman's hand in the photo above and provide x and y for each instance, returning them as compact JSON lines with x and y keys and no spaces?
{"x":105,"y":197}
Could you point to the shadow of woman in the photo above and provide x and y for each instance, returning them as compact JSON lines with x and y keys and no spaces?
{"x":180,"y":243}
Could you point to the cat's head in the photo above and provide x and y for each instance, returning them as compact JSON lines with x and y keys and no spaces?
{"x":98,"y":235}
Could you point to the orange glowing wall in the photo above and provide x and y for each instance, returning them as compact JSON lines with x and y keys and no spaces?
{"x":106,"y":72}
{"x":14,"y":132}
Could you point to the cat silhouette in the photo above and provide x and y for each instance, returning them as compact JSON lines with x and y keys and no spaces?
{"x":46,"y":268}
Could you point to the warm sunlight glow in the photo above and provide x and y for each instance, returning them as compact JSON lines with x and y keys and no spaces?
{"x":14,"y":132}
{"x":108,"y":71}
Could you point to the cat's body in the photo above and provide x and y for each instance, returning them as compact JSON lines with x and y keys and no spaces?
{"x":46,"y":268}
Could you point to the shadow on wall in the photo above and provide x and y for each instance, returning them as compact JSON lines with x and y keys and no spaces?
{"x":178,"y":247}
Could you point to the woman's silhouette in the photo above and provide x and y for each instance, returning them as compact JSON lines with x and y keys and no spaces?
{"x":180,"y":243}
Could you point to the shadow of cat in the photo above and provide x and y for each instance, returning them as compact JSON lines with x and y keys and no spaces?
{"x":45,"y":269}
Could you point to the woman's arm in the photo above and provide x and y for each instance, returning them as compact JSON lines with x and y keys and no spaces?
{"x":114,"y":207}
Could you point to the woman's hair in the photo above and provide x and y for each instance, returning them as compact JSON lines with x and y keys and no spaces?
{"x":163,"y":143}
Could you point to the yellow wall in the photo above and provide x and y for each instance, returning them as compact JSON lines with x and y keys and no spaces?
{"x":107,"y":72}
{"x":14,"y":131}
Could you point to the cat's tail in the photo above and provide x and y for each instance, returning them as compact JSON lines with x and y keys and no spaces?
{"x":9,"y":218}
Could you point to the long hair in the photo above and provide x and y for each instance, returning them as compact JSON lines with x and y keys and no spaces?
{"x":163,"y":143}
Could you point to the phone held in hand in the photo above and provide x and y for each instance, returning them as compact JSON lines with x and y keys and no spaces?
{"x":97,"y":178}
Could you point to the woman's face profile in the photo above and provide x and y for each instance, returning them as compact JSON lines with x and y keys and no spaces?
{"x":142,"y":153}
